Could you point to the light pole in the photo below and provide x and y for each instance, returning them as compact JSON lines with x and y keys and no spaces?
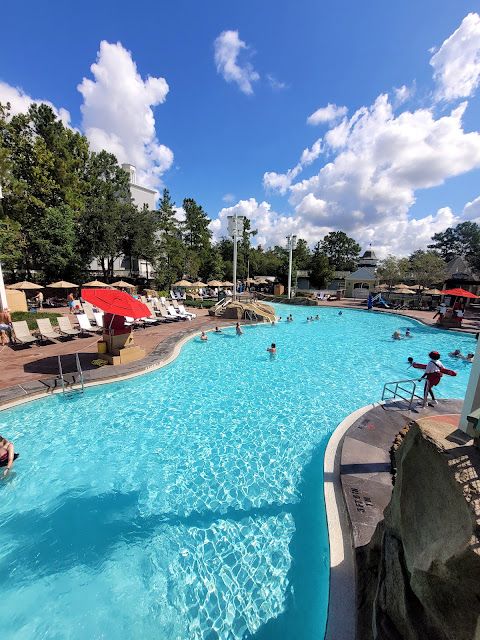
{"x":235,"y":229}
{"x":291,"y":244}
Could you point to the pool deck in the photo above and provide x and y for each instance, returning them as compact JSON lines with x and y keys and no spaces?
{"x":27,"y":372}
{"x":358,"y":487}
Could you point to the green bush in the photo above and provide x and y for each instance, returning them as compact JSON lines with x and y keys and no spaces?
{"x":31,"y":317}
{"x":303,"y":294}
{"x":205,"y":304}
{"x":165,"y":294}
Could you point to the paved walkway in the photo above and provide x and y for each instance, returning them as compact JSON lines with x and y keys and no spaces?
{"x":366,"y":464}
{"x":32,"y":369}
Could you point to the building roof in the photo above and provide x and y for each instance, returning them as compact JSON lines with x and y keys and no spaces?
{"x":362,"y":274}
{"x":458,"y":269}
{"x":369,"y":255}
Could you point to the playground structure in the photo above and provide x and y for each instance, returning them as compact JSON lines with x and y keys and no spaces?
{"x":236,"y":310}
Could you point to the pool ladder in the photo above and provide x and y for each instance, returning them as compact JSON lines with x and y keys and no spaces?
{"x":67,"y":387}
{"x":398,"y":390}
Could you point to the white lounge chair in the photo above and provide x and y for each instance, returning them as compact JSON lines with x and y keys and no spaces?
{"x":98,"y":318}
{"x":22,"y":332}
{"x":174,"y":313}
{"x":165,"y":315}
{"x":45,"y":330}
{"x":184,"y":312}
{"x":65,"y":326}
{"x":85,"y":326}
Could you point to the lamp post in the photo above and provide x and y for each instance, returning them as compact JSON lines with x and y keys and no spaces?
{"x":235,"y":229}
{"x":291,"y":244}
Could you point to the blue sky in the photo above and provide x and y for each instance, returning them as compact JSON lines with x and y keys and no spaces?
{"x":224,"y":115}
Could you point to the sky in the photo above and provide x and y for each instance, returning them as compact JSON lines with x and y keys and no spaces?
{"x":307,"y":116}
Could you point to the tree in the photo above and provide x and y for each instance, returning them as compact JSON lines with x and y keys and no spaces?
{"x":140,"y":240}
{"x":214,"y":267}
{"x":302,"y":254}
{"x":427,"y":268}
{"x":462,"y":240}
{"x":321,"y":272}
{"x":342,"y":252}
{"x":171,"y":250}
{"x":197,"y":234}
{"x":393,"y":270}
{"x":10,"y":244}
{"x":54,"y":244}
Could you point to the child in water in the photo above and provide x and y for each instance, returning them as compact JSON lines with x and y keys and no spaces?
{"x":272,"y":350}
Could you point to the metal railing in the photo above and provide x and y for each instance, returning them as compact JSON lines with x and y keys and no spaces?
{"x":67,"y":391}
{"x":396,"y":392}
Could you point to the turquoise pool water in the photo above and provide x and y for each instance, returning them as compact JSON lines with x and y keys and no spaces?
{"x":188,"y":503}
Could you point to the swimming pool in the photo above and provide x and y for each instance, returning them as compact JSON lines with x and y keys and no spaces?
{"x":188,"y":503}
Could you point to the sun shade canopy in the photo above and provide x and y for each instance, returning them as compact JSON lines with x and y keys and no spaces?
{"x":459,"y":292}
{"x":117,"y":302}
{"x":122,"y":283}
{"x":24,"y":285}
{"x":61,"y":284}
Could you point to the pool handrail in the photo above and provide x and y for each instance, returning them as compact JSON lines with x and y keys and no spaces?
{"x":411,"y":395}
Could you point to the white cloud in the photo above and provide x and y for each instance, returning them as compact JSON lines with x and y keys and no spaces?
{"x":327,"y":114}
{"x":457,"y":63}
{"x":228,"y":197}
{"x":280,"y":181}
{"x":179,"y":214}
{"x":309,"y":155}
{"x":403,"y":94}
{"x":227,"y":49}
{"x":118,"y":116}
{"x":471,"y":211}
{"x":20,"y":102}
{"x":275,"y":84}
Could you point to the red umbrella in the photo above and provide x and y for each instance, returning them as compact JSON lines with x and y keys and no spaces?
{"x":459,"y":292}
{"x":116,"y":302}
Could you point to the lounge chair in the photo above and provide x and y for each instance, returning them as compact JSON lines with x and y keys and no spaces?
{"x":167,"y":316}
{"x":22,"y":332}
{"x":98,"y":318}
{"x":175,"y":304}
{"x":184,"y":312}
{"x":88,"y":311}
{"x":174,"y":313}
{"x":46,"y":331}
{"x":85,"y":326}
{"x":65,"y":326}
{"x":77,"y":306}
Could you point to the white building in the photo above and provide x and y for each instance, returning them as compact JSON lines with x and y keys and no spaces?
{"x":139,"y":268}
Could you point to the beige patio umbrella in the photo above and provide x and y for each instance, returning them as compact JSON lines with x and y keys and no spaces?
{"x":403,"y":290}
{"x":382,"y":287}
{"x":415,"y":286}
{"x":214,"y":283}
{"x":198,"y":284}
{"x":122,"y":283}
{"x":250,"y":280}
{"x":62,"y":284}
{"x":182,"y":283}
{"x":262,"y":282}
{"x":96,"y":284}
{"x":24,"y":285}
{"x":226,"y":284}
{"x":432,"y":292}
{"x":402,"y":285}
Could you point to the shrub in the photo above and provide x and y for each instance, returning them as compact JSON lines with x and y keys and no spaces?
{"x":303,"y":294}
{"x":31,"y":317}
{"x":165,"y":294}
{"x":200,"y":304}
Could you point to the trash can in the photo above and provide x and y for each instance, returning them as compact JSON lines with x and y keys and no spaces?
{"x":101,"y":346}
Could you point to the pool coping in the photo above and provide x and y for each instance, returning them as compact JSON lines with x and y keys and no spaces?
{"x":163,"y":354}
{"x":341,"y":618}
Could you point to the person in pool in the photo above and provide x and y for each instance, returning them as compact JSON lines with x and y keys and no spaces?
{"x":203,"y":336}
{"x":469,"y":357}
{"x":408,"y":334}
{"x":238,"y":329}
{"x":397,"y":335}
{"x":456,"y":354}
{"x":217,"y":330}
{"x":272,"y":350}
{"x":340,"y":313}
{"x":317,"y":317}
{"x":7,"y":455}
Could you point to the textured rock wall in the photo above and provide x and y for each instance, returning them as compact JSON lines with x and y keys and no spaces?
{"x":419,"y":577}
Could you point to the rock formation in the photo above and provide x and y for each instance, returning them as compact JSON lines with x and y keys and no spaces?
{"x":419,"y":576}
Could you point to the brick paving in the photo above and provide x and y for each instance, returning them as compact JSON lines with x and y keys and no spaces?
{"x":29,"y":363}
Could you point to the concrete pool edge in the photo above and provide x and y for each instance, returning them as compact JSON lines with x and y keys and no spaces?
{"x":341,"y":618}
{"x":175,"y":342}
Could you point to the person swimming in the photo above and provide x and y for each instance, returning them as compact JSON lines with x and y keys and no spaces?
{"x":217,"y":330}
{"x":203,"y":336}
{"x":340,"y":313}
{"x":397,"y":335}
{"x":408,"y":334}
{"x":456,"y":354}
{"x":469,"y":357}
{"x":272,"y":350}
